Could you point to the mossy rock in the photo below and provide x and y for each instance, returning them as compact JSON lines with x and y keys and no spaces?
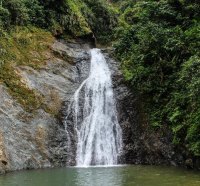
{"x":23,"y":46}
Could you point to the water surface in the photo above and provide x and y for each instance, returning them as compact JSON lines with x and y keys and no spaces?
{"x":104,"y":176}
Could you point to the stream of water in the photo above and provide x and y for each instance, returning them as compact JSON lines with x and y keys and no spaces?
{"x":99,"y":138}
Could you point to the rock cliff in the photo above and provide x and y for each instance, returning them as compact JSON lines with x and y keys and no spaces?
{"x":31,"y":140}
{"x":38,"y":139}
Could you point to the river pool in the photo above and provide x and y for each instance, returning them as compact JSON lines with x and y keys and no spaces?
{"x":104,"y":176}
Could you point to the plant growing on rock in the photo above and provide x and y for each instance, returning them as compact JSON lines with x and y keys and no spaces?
{"x":159,"y":50}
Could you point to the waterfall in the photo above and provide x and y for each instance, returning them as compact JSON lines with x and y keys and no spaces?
{"x":99,"y":136}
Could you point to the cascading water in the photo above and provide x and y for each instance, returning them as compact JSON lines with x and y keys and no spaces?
{"x":99,"y":136}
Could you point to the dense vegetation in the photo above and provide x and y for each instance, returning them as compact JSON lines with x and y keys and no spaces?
{"x":158,"y":42}
{"x":159,"y":46}
{"x":27,"y":28}
{"x":75,"y":17}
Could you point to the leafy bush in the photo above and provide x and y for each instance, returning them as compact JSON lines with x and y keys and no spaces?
{"x":75,"y":17}
{"x":101,"y":17}
{"x":4,"y":17}
{"x":18,"y":11}
{"x":159,"y":50}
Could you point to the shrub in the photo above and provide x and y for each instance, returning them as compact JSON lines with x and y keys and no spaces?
{"x":159,"y":50}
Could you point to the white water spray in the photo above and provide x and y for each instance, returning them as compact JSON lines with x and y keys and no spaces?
{"x":99,"y":136}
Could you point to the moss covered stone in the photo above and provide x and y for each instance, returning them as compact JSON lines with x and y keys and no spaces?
{"x":23,"y":46}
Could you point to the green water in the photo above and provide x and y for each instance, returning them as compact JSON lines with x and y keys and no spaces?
{"x":110,"y":176}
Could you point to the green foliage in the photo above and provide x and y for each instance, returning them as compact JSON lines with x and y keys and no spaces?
{"x":101,"y":17}
{"x":186,"y":102}
{"x":4,"y":17}
{"x":36,"y":13}
{"x":75,"y":17}
{"x":18,"y":11}
{"x":159,"y":44}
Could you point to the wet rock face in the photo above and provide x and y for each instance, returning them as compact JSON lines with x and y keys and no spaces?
{"x":38,"y":139}
{"x":141,"y":144}
{"x":3,"y":156}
